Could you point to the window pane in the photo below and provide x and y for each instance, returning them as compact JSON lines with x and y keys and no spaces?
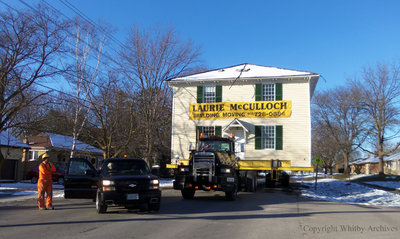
{"x":209,"y":94}
{"x":268,"y":92}
{"x":208,"y":130}
{"x":78,"y":167}
{"x":268,"y":137}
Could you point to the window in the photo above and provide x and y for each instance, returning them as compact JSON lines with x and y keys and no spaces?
{"x":269,"y":137}
{"x":208,"y":130}
{"x":78,"y":167}
{"x":33,"y":155}
{"x":209,"y":94}
{"x":268,"y":92}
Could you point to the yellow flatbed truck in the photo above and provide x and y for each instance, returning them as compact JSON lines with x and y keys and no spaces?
{"x":213,"y":165}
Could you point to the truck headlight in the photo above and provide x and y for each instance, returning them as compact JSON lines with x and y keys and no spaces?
{"x":108,"y":182}
{"x":225,"y":170}
{"x":154,"y":184}
{"x":184,"y":169}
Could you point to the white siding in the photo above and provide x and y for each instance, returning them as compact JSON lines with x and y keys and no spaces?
{"x":296,"y":129}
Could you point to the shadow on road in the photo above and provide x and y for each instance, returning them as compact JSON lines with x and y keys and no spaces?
{"x":205,"y":206}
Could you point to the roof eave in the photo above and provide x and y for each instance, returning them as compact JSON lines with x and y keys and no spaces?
{"x":182,"y":81}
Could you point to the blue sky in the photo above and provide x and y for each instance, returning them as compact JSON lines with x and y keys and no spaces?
{"x":333,"y":38}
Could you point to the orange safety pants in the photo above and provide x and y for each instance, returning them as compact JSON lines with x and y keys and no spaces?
{"x":45,"y":187}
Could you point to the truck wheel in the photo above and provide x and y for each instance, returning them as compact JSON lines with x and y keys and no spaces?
{"x":188,"y":193}
{"x":154,"y":207}
{"x":251,"y":182}
{"x":101,"y":207}
{"x":231,"y":195}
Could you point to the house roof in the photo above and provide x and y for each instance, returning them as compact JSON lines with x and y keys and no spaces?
{"x":6,"y":139}
{"x":238,"y":123}
{"x":393,"y":157}
{"x":246,"y":72}
{"x":65,"y":142}
{"x":61,"y":142}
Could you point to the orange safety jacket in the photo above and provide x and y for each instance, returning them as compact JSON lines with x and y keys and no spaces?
{"x":46,"y":170}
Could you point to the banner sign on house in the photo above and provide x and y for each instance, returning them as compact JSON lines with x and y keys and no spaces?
{"x":254,"y":109}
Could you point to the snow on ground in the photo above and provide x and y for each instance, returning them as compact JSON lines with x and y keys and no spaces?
{"x":25,"y":188}
{"x":349,"y":192}
{"x":387,"y":184}
{"x":327,"y":189}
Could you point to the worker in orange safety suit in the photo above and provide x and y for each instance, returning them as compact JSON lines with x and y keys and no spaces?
{"x":45,"y":183}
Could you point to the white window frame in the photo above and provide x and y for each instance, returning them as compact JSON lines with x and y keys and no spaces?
{"x":266,"y":139}
{"x":209,"y":94}
{"x":208,"y":130}
{"x":33,"y":155}
{"x":268,"y":92}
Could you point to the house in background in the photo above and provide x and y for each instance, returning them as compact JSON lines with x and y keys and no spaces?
{"x":370,"y":165}
{"x":59,"y":148}
{"x":13,"y":151}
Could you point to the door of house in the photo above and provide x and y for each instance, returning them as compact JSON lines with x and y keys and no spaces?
{"x":240,"y":143}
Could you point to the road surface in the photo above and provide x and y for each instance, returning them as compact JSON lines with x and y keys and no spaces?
{"x":271,"y":213}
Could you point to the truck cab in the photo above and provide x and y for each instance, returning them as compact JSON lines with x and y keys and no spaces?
{"x":120,"y":182}
{"x":212,"y":166}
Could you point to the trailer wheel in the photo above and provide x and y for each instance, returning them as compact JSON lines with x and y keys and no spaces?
{"x":188,"y":193}
{"x":285,"y":180}
{"x":268,"y":182}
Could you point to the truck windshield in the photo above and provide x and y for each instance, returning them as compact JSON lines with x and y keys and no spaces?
{"x":214,"y":146}
{"x":125,"y":167}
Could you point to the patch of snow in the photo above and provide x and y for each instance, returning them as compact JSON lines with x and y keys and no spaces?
{"x":166,"y":183}
{"x":387,"y":184}
{"x":347,"y":192}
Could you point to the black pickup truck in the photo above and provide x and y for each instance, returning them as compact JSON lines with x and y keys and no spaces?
{"x":120,"y":182}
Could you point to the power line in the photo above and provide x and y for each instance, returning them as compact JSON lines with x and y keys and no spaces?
{"x":69,"y":32}
{"x":84,"y":16}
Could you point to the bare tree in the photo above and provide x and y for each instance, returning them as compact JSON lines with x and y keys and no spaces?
{"x":113,"y":117}
{"x":88,"y":48}
{"x":29,"y":41}
{"x":338,"y":112}
{"x":379,"y":90}
{"x":147,"y":61}
{"x":324,"y":146}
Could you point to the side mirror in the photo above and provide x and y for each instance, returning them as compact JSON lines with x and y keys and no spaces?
{"x":155,"y":171}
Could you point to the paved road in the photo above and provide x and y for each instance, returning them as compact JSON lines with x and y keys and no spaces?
{"x":265,"y":214}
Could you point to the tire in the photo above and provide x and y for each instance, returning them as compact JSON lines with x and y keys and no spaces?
{"x":34,"y":180}
{"x":60,"y":180}
{"x":154,"y":207}
{"x":101,"y":207}
{"x":251,"y":182}
{"x":231,"y":195}
{"x":285,"y":181}
{"x":188,"y":193}
{"x":268,"y":182}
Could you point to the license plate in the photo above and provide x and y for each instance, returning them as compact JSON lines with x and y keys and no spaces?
{"x":230,"y":180}
{"x":133,"y":196}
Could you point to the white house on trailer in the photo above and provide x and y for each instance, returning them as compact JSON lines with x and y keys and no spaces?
{"x":266,"y":108}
